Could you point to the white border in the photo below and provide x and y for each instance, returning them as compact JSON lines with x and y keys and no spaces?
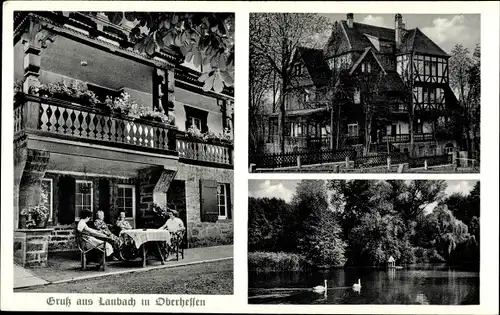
{"x":238,"y":302}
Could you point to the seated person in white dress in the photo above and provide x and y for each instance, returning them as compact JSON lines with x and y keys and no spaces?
{"x":92,"y":236}
{"x":122,"y":223}
{"x":173,"y":224}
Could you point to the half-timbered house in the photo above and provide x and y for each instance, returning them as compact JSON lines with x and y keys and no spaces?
{"x":388,"y":89}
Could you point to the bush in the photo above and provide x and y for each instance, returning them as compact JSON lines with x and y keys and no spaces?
{"x":268,"y":261}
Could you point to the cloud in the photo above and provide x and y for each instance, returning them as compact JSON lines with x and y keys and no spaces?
{"x":462,"y":186}
{"x":444,"y":29}
{"x":271,"y":189}
{"x":374,"y":20}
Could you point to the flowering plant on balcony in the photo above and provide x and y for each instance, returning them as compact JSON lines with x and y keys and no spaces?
{"x":126,"y":106}
{"x":196,"y":133}
{"x":76,"y":91}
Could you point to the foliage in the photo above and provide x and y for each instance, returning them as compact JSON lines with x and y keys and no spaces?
{"x":279,"y":261}
{"x":36,"y":214}
{"x":76,"y":91}
{"x":126,"y":106}
{"x":204,"y":39}
{"x":360,"y":222}
{"x":196,"y":133}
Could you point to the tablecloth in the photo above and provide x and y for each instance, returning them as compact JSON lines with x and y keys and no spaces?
{"x":141,"y":236}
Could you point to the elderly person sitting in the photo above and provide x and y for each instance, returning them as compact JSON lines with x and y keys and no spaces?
{"x":92,"y":236}
{"x":101,"y":226}
{"x":122,"y":223}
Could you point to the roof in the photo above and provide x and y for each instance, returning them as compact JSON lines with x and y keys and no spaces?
{"x":391,"y":81}
{"x":315,"y":63}
{"x":303,"y":112}
{"x":412,"y":39}
{"x":415,"y":40}
{"x":391,"y":259}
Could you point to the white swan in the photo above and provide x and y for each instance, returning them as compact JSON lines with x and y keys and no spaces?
{"x":357,"y":286}
{"x":320,"y":288}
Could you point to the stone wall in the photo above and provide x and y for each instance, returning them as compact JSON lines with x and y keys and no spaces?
{"x":205,"y":233}
{"x":31,"y":247}
{"x":62,"y":239}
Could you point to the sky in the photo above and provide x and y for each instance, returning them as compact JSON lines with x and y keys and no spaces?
{"x":446,"y":30}
{"x":285,"y":189}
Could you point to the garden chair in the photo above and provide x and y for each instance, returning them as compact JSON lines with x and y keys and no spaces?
{"x":85,"y":247}
{"x":177,"y":245}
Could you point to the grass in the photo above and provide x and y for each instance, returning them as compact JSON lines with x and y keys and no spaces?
{"x":269,"y":261}
{"x":207,"y":278}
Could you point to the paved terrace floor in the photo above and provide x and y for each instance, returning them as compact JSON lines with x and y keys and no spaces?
{"x":67,"y":267}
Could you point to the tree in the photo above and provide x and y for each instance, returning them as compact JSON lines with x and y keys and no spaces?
{"x":465,"y":80}
{"x":281,"y":34}
{"x":205,"y":39}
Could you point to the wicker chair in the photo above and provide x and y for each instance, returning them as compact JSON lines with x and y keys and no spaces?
{"x":85,"y":247}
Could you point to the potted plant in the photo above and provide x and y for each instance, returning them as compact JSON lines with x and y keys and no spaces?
{"x":35,"y":216}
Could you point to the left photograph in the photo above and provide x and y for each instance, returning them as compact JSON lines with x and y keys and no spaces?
{"x":123,"y":152}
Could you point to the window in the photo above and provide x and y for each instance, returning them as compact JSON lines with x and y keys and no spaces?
{"x":362,"y":67}
{"x":298,"y":69}
{"x":448,"y":148}
{"x":195,"y":122}
{"x":47,"y":189}
{"x":125,"y":200}
{"x":368,"y":67}
{"x":222,"y":203}
{"x":357,"y":95}
{"x":83,"y":197}
{"x":352,"y":130}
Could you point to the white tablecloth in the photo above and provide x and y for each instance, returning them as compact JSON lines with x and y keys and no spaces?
{"x":141,"y":236}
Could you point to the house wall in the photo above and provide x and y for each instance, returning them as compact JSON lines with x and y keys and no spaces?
{"x":205,"y":233}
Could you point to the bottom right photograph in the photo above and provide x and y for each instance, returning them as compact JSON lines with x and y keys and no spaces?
{"x":364,"y":242}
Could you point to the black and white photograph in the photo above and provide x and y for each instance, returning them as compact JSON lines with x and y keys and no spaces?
{"x":364,"y":93}
{"x":364,"y":242}
{"x":123,"y":152}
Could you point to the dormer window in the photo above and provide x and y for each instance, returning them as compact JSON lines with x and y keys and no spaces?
{"x":362,"y":67}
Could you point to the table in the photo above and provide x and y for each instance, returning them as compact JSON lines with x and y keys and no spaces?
{"x":143,"y":236}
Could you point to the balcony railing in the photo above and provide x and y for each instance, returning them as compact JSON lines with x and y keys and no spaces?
{"x":212,"y":152}
{"x":405,"y":137}
{"x":74,"y":121}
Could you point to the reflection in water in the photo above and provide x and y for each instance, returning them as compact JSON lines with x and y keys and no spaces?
{"x":436,"y":285}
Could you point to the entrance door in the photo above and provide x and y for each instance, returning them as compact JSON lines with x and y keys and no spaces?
{"x":176,"y":199}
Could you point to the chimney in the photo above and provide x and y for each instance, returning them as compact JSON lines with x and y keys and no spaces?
{"x":398,"y":29}
{"x":350,"y":20}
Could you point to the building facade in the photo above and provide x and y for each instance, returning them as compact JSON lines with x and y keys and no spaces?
{"x":82,"y":155}
{"x":387,"y":88}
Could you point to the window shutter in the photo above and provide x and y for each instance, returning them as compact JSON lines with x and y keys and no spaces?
{"x":208,"y":206}
{"x":66,"y":191}
{"x":229,"y":208}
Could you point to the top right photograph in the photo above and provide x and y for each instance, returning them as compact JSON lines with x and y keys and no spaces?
{"x":364,"y":93}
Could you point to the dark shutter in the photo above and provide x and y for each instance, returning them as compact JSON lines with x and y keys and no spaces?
{"x":104,"y":199}
{"x":208,"y":205}
{"x":66,"y":192}
{"x":229,"y":209}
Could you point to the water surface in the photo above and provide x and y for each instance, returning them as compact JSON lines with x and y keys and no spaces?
{"x":419,"y":284}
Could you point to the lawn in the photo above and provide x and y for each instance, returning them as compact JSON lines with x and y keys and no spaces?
{"x":213,"y":278}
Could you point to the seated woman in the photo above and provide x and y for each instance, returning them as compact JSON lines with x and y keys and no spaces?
{"x":101,"y":226}
{"x":173,"y":224}
{"x":122,"y":223}
{"x":92,"y":236}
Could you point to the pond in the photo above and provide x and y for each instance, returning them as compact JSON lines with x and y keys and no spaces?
{"x":417,"y":284}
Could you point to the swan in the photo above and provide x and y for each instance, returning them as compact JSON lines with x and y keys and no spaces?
{"x":357,"y":286}
{"x":320,"y":288}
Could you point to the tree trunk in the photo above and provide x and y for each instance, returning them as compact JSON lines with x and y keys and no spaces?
{"x":281,"y":122}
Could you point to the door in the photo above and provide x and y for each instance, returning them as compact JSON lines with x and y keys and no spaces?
{"x":125,"y":202}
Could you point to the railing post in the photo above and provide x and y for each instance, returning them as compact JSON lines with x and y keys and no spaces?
{"x":251,"y":169}
{"x":388,"y":163}
{"x":299,"y":163}
{"x":347,"y":162}
{"x":31,"y":115}
{"x":425,"y":165}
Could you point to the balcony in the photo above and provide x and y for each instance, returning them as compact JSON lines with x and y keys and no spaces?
{"x":70,"y":121}
{"x":405,"y":137}
{"x":197,"y":151}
